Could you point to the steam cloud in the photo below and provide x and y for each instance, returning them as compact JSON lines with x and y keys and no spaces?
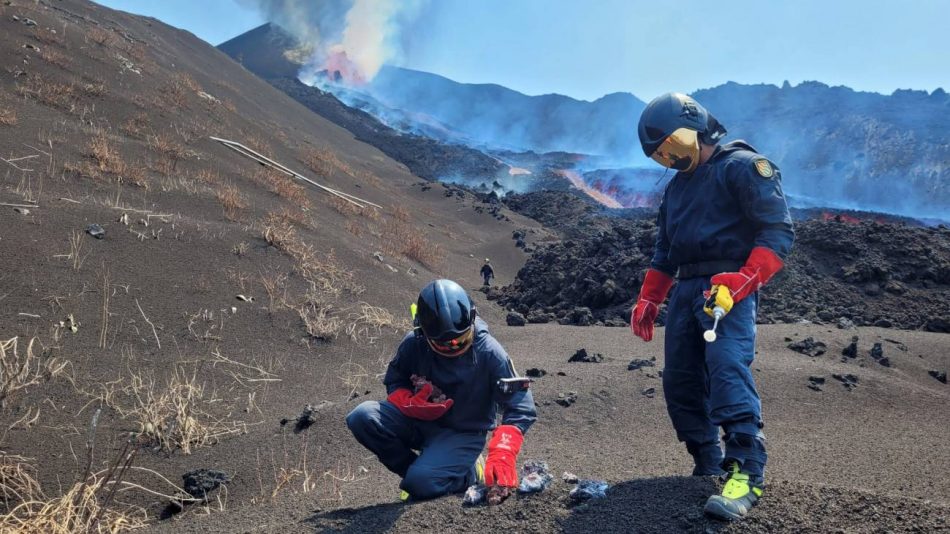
{"x":355,"y":37}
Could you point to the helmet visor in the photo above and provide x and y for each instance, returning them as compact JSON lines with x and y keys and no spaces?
{"x":679,"y":151}
{"x":453,"y":348}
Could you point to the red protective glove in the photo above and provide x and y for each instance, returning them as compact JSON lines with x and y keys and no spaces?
{"x":758,"y":269}
{"x":417,"y":405}
{"x":656,"y":284}
{"x":503,"y":449}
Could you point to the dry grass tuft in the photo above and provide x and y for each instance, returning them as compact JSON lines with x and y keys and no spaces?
{"x":86,"y":507}
{"x":53,"y":94}
{"x":48,"y":36}
{"x":100,"y":37}
{"x":54,"y":57}
{"x":319,"y":318}
{"x":169,"y":150}
{"x":370,"y":321}
{"x":136,"y":125}
{"x":404,"y":239}
{"x":174,"y":415}
{"x":283,"y":186}
{"x":208,"y":176}
{"x":231,"y":199}
{"x":20,"y":371}
{"x":105,"y":156}
{"x":325,"y":162}
{"x":7,"y":117}
{"x":17,"y":479}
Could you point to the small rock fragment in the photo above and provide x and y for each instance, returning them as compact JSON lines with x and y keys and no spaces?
{"x":515,"y":319}
{"x":849,"y":381}
{"x":200,"y":482}
{"x":589,"y":489}
{"x":418,"y":382}
{"x":809,"y":347}
{"x":475,"y":494}
{"x":940,"y":376}
{"x":649,"y":393}
{"x":566,"y":399}
{"x":639,"y":364}
{"x":815,"y":382}
{"x":851,"y":351}
{"x":582,"y":356}
{"x":535,"y":477}
{"x":96,"y":231}
{"x":845,"y":324}
{"x":497,"y":495}
{"x":570,"y":478}
{"x":535,"y":372}
{"x":22,"y":211}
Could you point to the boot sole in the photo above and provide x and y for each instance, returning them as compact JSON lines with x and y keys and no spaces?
{"x":718,"y":510}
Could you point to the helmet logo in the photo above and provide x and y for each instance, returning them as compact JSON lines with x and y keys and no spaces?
{"x":689,"y":110}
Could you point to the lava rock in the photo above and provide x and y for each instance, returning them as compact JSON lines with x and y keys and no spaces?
{"x":539,"y":317}
{"x":851,"y":351}
{"x":815,"y":382}
{"x":940,"y":376}
{"x":582,"y":356}
{"x":640,"y":364}
{"x":516,"y":319}
{"x":535,"y":372}
{"x":809,"y":347}
{"x":649,"y":393}
{"x":201,"y":482}
{"x":849,"y":381}
{"x":566,"y":399}
{"x":846,"y":324}
{"x":96,"y":231}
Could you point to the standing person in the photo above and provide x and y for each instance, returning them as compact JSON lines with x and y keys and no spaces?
{"x":487,"y":272}
{"x":723,"y":222}
{"x":468,"y":375}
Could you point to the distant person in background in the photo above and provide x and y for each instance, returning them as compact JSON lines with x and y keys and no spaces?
{"x":723,"y":224}
{"x":487,"y":272}
{"x":445,"y":384}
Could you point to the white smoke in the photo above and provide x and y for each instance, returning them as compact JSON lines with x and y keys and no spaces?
{"x":365,"y":34}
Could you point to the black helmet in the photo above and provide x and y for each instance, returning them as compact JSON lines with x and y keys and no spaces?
{"x":671,"y":127}
{"x":446,"y":316}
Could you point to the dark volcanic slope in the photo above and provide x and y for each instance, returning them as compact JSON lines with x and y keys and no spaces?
{"x":424,"y":157}
{"x":872,"y":273}
{"x":263,"y":51}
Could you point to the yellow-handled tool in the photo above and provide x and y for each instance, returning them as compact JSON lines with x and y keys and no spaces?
{"x":717,"y":306}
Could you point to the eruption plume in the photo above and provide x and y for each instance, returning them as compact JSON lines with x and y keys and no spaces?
{"x":350,"y":39}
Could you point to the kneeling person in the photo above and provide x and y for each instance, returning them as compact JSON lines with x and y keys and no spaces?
{"x":452,"y":349}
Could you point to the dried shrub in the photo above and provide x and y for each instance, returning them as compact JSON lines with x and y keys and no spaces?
{"x":49,"y":93}
{"x":94,"y":89}
{"x":17,"y":479}
{"x":19,"y":371}
{"x":7,"y":117}
{"x":208,"y":176}
{"x":169,"y":151}
{"x":100,"y":36}
{"x":175,"y":414}
{"x":105,"y":156}
{"x":354,"y":228}
{"x":371,"y":320}
{"x":319,"y":319}
{"x":134,"y":126}
{"x":325,"y":162}
{"x":405,"y":239}
{"x":283,"y":186}
{"x":54,"y":57}
{"x":48,"y":36}
{"x":231,"y":200}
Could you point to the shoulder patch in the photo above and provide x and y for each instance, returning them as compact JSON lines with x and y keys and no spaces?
{"x":764,"y":168}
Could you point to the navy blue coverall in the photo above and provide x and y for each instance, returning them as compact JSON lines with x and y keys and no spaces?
{"x":709,"y":221}
{"x":451,"y":444}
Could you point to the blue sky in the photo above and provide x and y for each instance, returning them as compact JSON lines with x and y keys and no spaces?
{"x":588,"y":48}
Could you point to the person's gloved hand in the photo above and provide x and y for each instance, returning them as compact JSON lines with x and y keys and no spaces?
{"x":503,"y":449}
{"x":656,"y":284}
{"x":758,"y":269}
{"x":417,"y":405}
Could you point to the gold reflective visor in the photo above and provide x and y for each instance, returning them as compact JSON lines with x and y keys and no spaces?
{"x":679,"y":151}
{"x":455,"y":347}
